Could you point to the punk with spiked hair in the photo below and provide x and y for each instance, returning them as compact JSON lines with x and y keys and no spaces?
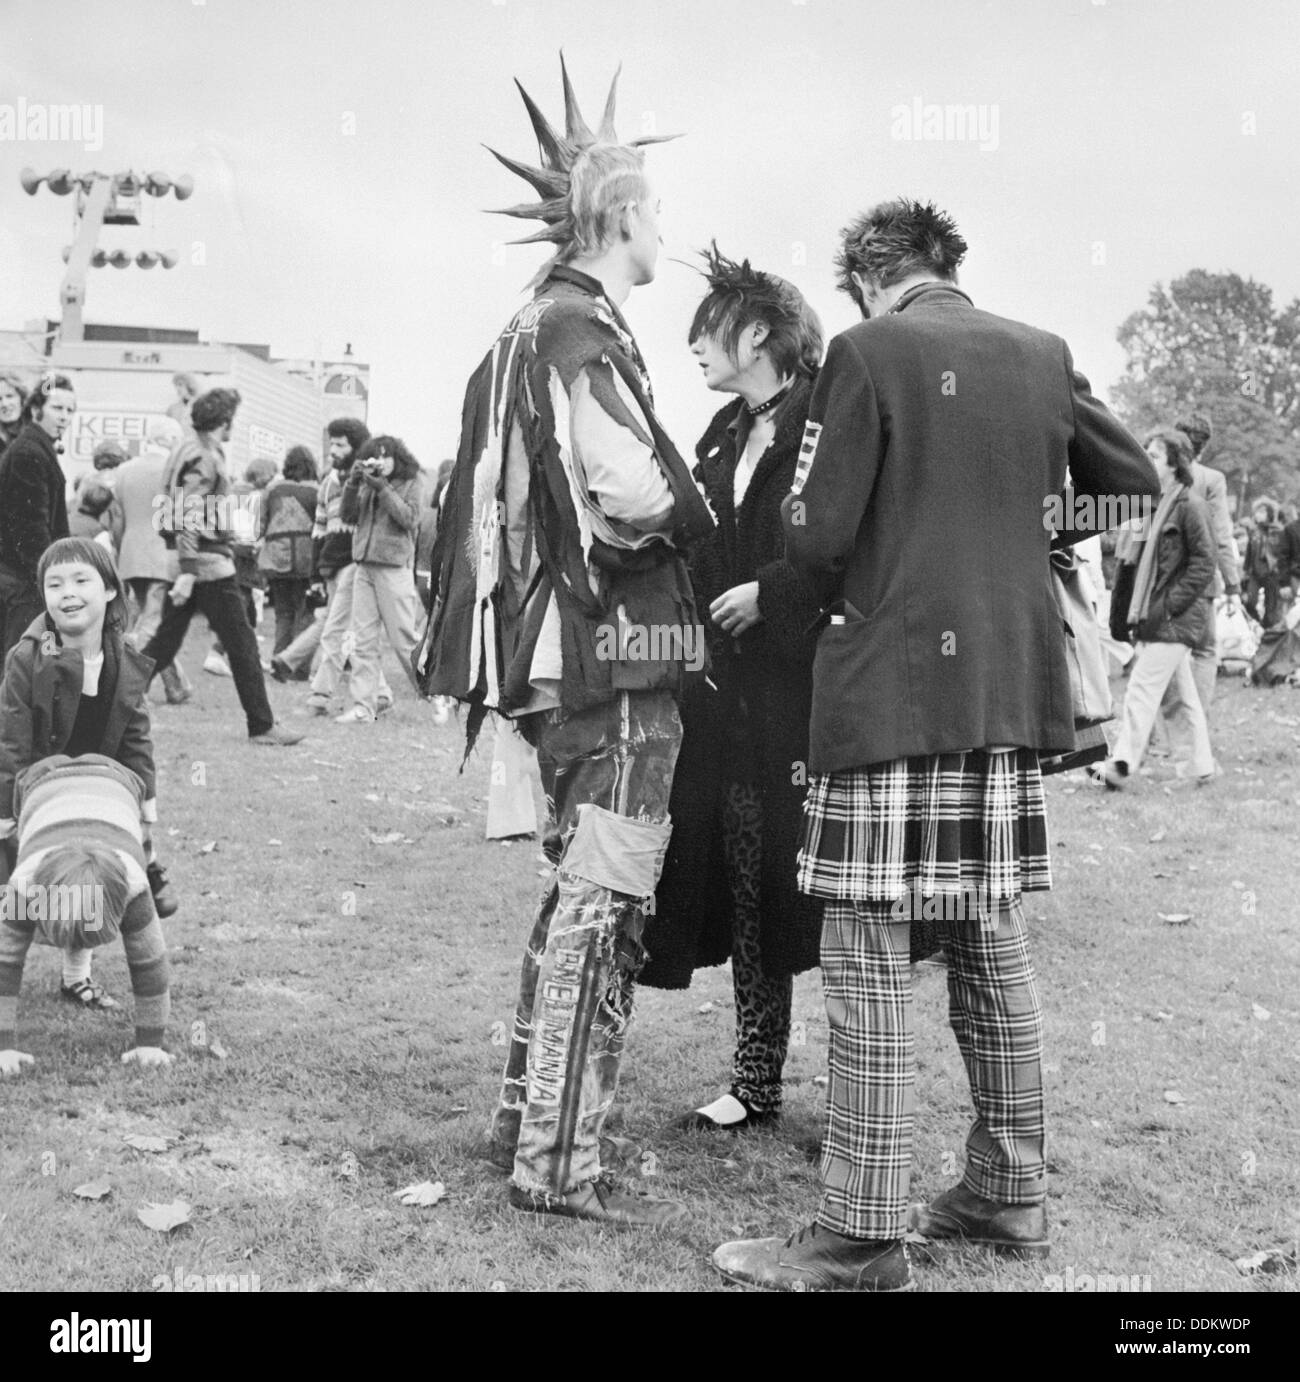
{"x":583,"y":176}
{"x":739,"y":295}
{"x":561,"y":547}
{"x":893,"y":241}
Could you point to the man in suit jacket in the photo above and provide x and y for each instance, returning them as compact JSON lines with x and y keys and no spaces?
{"x":933,"y":463}
{"x":146,"y":566}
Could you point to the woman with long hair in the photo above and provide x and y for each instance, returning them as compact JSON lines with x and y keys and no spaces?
{"x":13,"y":400}
{"x":728,"y":886}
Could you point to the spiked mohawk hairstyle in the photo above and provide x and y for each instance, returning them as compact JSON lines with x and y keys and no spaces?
{"x":894,"y":240}
{"x":558,"y":155}
{"x":739,"y":295}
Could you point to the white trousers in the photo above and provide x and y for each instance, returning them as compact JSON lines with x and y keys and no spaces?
{"x":1159,"y":667}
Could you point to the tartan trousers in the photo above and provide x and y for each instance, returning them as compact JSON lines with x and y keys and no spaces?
{"x":994,"y":1013}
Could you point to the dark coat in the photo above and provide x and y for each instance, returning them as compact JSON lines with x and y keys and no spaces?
{"x":753,"y":727}
{"x":33,"y":500}
{"x":937,"y":435}
{"x":1185,"y":565}
{"x":39,"y":699}
{"x":284,"y":522}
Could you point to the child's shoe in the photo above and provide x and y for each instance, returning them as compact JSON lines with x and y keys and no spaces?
{"x":90,"y":995}
{"x":164,"y":895}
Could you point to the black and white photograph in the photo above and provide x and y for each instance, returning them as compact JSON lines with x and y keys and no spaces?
{"x":650,"y":646}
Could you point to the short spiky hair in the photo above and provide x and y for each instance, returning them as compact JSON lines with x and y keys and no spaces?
{"x":895,"y":240}
{"x":739,"y":295}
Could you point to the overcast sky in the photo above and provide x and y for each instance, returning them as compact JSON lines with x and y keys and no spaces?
{"x":342,"y":182}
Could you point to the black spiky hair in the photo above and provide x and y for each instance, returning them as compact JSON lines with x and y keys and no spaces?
{"x":740,"y":294}
{"x":895,"y":240}
{"x":557,"y":155}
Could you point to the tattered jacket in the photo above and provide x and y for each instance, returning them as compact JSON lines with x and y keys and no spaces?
{"x":523,"y":534}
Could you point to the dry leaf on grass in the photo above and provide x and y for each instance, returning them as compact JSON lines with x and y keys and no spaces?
{"x":208,"y":848}
{"x":426,"y":1193}
{"x":1261,"y":1014}
{"x":392,"y":837}
{"x":143,"y":1142}
{"x":216,"y":1050}
{"x":1175,"y":918}
{"x":1158,"y":836}
{"x":93,"y":1190}
{"x":1172,"y":1096}
{"x":1269,"y":1260}
{"x":162,"y":1218}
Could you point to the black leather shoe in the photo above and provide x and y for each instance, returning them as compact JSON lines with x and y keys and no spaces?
{"x":816,"y":1259}
{"x":604,"y":1201}
{"x":959,"y":1214}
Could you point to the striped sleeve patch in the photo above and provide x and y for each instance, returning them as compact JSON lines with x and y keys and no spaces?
{"x":807,"y":451}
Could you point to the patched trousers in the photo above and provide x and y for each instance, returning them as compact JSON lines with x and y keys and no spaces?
{"x":607,"y":773}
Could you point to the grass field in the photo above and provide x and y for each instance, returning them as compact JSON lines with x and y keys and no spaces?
{"x":352,"y":943}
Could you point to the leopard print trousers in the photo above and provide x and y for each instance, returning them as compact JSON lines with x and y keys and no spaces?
{"x":762,"y":1003}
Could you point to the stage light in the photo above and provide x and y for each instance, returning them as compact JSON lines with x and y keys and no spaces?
{"x":60,"y":182}
{"x":146,"y":259}
{"x":30,"y":180}
{"x":119,"y":259}
{"x":99,"y":259}
{"x":168,"y":258}
{"x":183,"y":187}
{"x":157,"y":184}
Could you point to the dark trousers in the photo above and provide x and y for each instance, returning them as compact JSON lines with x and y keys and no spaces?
{"x":289,"y":596}
{"x":220,"y":604}
{"x":20,"y":603}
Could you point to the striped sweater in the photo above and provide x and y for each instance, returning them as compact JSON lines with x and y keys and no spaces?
{"x":89,"y":800}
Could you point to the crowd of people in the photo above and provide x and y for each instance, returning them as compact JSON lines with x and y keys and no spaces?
{"x":866,"y":723}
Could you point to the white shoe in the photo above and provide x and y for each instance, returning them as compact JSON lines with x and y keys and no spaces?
{"x":440,"y":711}
{"x":383,"y":705}
{"x":358,"y":715}
{"x":217,"y":665}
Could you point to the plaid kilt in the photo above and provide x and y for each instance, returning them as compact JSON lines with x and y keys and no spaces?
{"x":930,"y":825}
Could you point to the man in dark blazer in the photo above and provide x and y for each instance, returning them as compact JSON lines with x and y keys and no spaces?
{"x":923,"y":509}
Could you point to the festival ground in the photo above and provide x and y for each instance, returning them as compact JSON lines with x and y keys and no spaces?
{"x":350,"y":942}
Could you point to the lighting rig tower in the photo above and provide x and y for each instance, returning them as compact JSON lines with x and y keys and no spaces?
{"x":102,"y":199}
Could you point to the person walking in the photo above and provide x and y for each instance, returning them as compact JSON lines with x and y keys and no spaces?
{"x":146,"y":566}
{"x":197,"y":487}
{"x":1173,"y":566}
{"x":938,"y":440}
